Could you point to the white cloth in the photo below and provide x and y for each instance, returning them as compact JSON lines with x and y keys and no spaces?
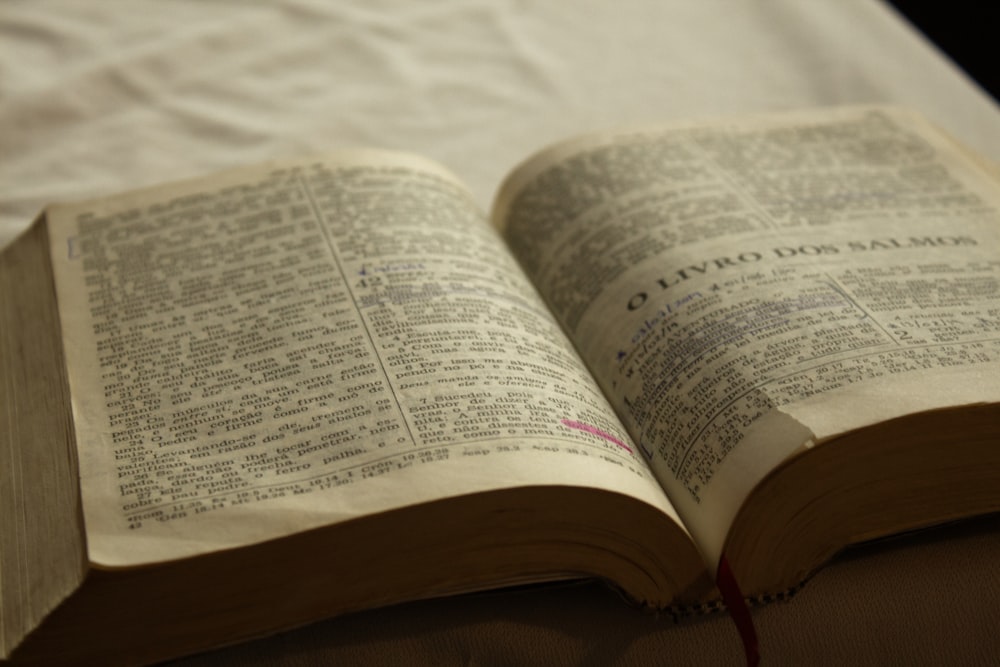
{"x":99,"y":97}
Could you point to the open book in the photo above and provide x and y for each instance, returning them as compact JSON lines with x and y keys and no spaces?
{"x":240,"y":403}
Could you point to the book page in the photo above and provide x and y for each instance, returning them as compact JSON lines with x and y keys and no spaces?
{"x":745,"y":290}
{"x":280,"y":348}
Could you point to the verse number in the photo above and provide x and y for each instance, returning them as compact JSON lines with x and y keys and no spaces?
{"x":370,"y":281}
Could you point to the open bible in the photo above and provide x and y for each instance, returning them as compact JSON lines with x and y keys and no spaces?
{"x":237,"y":404}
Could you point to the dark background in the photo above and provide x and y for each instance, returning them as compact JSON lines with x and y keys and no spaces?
{"x":963,"y":30}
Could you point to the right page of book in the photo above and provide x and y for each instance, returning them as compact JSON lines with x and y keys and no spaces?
{"x":743,"y":290}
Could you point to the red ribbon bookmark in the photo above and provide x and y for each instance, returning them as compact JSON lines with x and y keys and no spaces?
{"x":739,"y":611}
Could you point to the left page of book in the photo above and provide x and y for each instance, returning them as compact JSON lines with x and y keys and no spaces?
{"x":283,"y":347}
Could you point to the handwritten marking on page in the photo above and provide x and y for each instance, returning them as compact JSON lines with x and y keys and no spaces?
{"x":569,"y":423}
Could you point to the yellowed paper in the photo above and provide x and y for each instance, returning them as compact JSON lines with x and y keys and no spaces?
{"x":280,"y":348}
{"x":744,"y":289}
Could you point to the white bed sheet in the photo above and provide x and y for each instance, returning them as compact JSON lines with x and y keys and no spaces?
{"x":101,"y":96}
